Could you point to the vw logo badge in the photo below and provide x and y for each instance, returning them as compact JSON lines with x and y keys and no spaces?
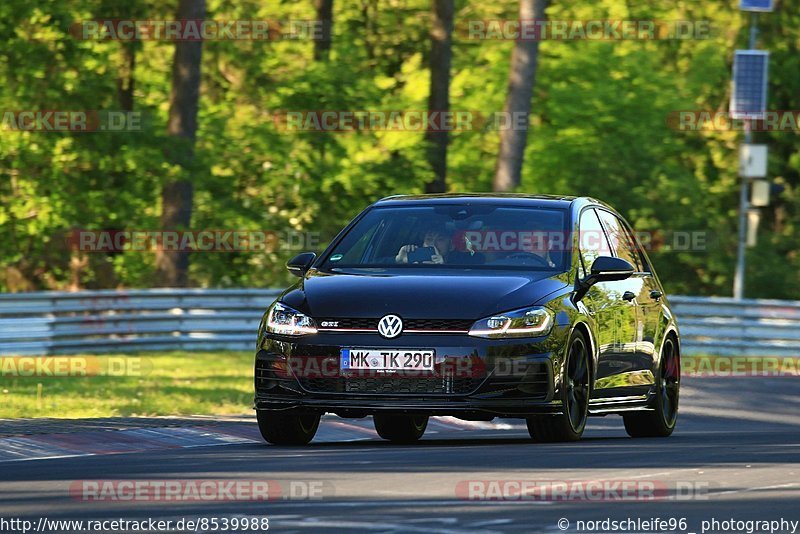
{"x":390,"y":326}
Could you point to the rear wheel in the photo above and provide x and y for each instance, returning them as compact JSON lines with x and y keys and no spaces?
{"x":287,"y":428}
{"x":400,"y":428}
{"x":660,"y":423}
{"x":575,"y":390}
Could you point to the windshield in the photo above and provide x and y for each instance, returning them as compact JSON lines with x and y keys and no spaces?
{"x":454,"y":236}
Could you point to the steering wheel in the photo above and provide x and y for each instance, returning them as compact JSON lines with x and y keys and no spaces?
{"x":528,"y":255}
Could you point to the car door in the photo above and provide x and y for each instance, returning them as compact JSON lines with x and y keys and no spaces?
{"x":649,"y":302}
{"x":615,"y":316}
{"x":638,"y":362}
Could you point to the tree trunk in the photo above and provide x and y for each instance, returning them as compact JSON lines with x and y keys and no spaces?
{"x":439,"y":99}
{"x":176,"y":197}
{"x":126,"y":81}
{"x":522,"y":78}
{"x":369,"y":14}
{"x":322,"y":46}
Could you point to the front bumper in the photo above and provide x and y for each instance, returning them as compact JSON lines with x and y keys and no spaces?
{"x":473,"y":377}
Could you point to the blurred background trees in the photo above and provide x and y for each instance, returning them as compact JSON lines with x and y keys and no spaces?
{"x":599,"y":127}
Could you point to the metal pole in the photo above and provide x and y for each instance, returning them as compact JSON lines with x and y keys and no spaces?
{"x":738,"y":279}
{"x":744,"y":205}
{"x":753,"y":30}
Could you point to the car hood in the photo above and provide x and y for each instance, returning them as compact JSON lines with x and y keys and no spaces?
{"x":419,"y":296}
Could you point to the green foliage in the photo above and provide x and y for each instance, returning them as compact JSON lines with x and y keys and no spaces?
{"x":599,"y":129}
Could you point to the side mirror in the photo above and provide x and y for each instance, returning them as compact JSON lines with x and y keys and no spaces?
{"x":300,"y":264}
{"x":603,"y":269}
{"x":608,"y":269}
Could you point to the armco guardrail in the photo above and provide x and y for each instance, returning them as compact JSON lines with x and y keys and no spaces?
{"x":129,"y":321}
{"x":751,"y":327}
{"x":227,"y":319}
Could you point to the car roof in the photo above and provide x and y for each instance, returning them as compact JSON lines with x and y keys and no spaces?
{"x":575,"y":204}
{"x":551,"y":201}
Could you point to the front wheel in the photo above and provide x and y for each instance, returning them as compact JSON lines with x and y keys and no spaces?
{"x":660,"y":423}
{"x":400,"y":428}
{"x":575,"y":391}
{"x":287,"y":428}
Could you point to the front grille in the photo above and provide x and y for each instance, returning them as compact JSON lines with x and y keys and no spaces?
{"x":437,"y":324}
{"x":408,"y":324}
{"x":394,"y":385}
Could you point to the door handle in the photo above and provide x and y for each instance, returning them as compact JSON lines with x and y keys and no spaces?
{"x":656,"y":294}
{"x":628,"y":296}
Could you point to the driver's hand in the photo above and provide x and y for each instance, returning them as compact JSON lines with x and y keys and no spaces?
{"x":402,"y":254}
{"x":436,"y":257}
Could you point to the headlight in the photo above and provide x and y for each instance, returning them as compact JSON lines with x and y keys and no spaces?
{"x":283,"y":320}
{"x":529,"y":322}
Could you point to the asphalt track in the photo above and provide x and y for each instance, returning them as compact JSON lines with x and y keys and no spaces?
{"x":735,"y":455}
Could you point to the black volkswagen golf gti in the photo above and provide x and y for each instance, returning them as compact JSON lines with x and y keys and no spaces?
{"x":474,"y":306}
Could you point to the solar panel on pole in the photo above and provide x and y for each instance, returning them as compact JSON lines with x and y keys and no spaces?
{"x":757,"y":5}
{"x":749,"y":86}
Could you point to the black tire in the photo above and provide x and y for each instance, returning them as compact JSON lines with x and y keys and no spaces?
{"x":287,"y":427}
{"x":660,"y":423}
{"x":400,"y":428}
{"x":575,"y":392}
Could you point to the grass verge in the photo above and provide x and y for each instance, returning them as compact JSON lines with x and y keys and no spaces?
{"x":144,"y":384}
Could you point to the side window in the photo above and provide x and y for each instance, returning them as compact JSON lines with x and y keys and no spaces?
{"x":622,"y":242}
{"x":637,"y":246}
{"x":592,"y":240}
{"x":356,"y":252}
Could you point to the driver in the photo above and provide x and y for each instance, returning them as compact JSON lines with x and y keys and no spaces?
{"x":538,"y":246}
{"x":441,"y":241}
{"x":436,"y":238}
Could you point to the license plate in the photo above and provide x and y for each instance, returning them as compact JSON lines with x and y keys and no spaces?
{"x":387,"y":359}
